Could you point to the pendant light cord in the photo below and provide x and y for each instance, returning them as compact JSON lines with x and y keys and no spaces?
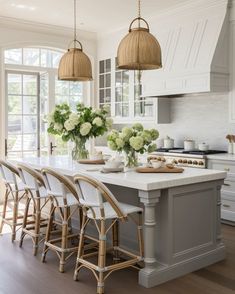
{"x":139,"y":11}
{"x":75,"y":22}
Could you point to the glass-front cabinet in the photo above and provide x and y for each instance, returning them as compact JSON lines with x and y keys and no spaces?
{"x":122,"y":91}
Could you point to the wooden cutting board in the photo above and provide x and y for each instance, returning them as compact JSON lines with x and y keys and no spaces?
{"x":89,"y":161}
{"x":159,"y":170}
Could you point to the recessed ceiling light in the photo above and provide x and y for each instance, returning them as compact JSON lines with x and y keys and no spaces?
{"x":22,"y":6}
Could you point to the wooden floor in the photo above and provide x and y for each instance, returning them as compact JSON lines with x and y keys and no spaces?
{"x":21,"y":273}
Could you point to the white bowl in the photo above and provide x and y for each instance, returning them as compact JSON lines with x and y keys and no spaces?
{"x":156,"y":163}
{"x":113,"y":164}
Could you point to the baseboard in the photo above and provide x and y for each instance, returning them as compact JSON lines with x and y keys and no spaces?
{"x":163,"y":273}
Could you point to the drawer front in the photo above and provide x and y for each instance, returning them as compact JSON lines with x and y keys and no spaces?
{"x":229,"y":185}
{"x":228,"y":205}
{"x":227,"y":166}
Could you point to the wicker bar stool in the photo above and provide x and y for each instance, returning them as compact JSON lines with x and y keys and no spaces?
{"x":35,"y":187}
{"x":101,"y":207}
{"x":66,"y":203}
{"x":15,"y":191}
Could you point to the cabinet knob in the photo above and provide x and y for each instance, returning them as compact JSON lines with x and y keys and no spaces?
{"x":226,"y":184}
{"x":227,"y":169}
{"x":226,"y":205}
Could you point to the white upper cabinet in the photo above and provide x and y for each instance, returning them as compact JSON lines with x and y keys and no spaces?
{"x":122,"y":91}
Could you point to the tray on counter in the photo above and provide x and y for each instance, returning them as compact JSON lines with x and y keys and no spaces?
{"x":159,"y":170}
{"x":89,"y":161}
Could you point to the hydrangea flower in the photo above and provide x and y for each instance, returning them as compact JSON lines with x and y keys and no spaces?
{"x":69,"y":125}
{"x":120,"y":143}
{"x":112,"y":145}
{"x":154,"y":134}
{"x":74,"y":118}
{"x":109,"y":123}
{"x":137,"y":143}
{"x":85,"y":128}
{"x":97,"y":121}
{"x":137,"y":126}
{"x":58,"y":127}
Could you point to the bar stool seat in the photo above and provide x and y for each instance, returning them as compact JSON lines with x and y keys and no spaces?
{"x":71,"y":201}
{"x":110,"y":213}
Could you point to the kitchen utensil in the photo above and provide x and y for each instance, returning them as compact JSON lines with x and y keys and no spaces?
{"x":156,"y":163}
{"x":203,"y":146}
{"x":168,"y":143}
{"x":113,"y":164}
{"x":189,"y":145}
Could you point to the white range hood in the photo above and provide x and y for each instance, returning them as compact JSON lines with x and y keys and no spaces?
{"x":195,"y":42}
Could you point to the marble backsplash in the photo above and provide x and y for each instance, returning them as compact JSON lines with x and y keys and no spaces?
{"x":203,"y":118}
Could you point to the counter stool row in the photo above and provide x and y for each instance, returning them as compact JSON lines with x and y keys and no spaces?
{"x":93,"y":203}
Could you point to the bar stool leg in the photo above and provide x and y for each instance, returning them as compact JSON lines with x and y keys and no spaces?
{"x":48,"y":232}
{"x":115,"y":233}
{"x":4,"y":210}
{"x":25,"y":218}
{"x":15,"y":216}
{"x":64,"y":240}
{"x":37,"y":226}
{"x":80,"y":246}
{"x":101,"y":257}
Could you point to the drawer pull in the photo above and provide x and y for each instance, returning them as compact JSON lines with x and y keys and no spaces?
{"x":226,"y":205}
{"x":226,"y":184}
{"x":227,"y":169}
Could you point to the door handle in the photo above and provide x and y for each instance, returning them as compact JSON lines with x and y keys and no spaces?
{"x":6,"y":151}
{"x":226,"y":184}
{"x":52,"y":147}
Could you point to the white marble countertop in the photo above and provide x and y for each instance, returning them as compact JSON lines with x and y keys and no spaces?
{"x":223,"y":156}
{"x":131,"y":179}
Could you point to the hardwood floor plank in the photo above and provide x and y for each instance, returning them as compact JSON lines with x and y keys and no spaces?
{"x":22,"y":273}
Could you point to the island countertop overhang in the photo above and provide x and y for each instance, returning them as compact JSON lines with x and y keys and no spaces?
{"x":130,"y":179}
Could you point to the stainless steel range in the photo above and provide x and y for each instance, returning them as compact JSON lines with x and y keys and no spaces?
{"x":179,"y":156}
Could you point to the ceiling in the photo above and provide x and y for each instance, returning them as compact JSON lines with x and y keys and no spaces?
{"x":99,"y":16}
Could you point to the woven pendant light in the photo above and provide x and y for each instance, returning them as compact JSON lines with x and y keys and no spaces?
{"x":139,"y":49}
{"x":75,"y":65}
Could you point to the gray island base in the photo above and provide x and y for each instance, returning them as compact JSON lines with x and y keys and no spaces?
{"x":181,"y":215}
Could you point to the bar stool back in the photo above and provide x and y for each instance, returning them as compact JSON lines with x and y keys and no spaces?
{"x":101,"y":206}
{"x":36,"y":189}
{"x":14,"y":189}
{"x":66,"y":202}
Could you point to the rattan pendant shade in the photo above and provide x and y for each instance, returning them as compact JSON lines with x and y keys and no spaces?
{"x":139,"y":49}
{"x":75,"y":65}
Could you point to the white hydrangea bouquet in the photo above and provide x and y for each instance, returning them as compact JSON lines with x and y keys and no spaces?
{"x":131,"y":141}
{"x":78,"y":126}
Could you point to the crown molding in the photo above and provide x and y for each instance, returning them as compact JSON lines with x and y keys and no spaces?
{"x":183,"y":9}
{"x":17,"y":24}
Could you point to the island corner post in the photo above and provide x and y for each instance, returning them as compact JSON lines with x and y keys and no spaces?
{"x":181,"y":231}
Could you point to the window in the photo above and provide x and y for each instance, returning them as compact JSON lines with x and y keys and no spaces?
{"x":32,"y":90}
{"x":105,"y":82}
{"x":121,"y":92}
{"x":33,"y":57}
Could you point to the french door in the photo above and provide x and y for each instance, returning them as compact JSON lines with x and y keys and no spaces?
{"x":29,"y":98}
{"x":22,"y":114}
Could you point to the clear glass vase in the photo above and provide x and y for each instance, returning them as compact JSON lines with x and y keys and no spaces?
{"x":79,"y":150}
{"x":131,"y":159}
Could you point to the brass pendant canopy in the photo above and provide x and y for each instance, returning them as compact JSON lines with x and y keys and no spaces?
{"x":139,"y":49}
{"x":75,"y":65}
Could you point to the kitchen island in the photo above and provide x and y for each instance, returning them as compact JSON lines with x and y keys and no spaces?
{"x":181,"y":215}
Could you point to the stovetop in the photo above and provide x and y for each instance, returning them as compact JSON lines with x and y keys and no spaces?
{"x":193,"y":152}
